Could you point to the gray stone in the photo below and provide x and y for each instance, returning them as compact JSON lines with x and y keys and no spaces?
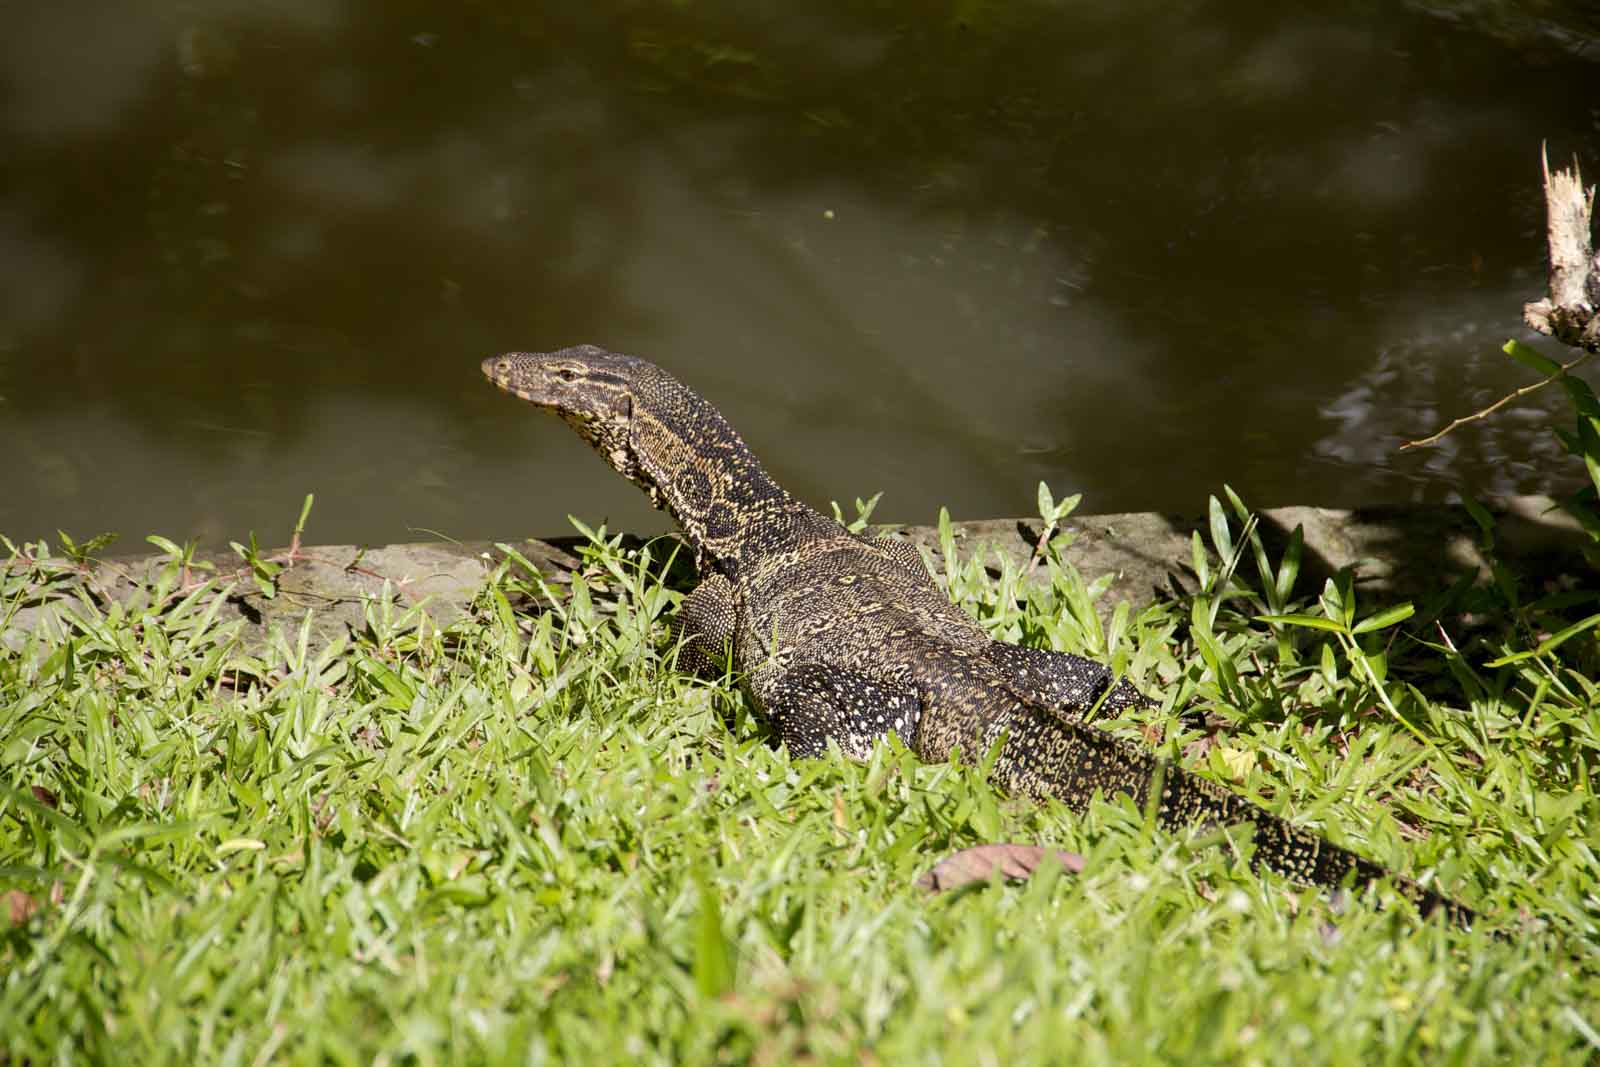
{"x":1397,"y":553}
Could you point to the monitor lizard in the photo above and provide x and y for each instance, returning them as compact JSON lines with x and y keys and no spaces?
{"x":841,"y":638}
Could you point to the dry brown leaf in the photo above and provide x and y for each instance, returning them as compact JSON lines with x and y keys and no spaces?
{"x":19,"y":906}
{"x":1196,"y":750}
{"x":978,"y":863}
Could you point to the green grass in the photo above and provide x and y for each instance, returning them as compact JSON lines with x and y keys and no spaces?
{"x":525,"y":838}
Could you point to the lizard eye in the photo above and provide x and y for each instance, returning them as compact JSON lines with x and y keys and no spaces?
{"x":566,"y":374}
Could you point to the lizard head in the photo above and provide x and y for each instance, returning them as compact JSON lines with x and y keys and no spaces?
{"x":651,"y":429}
{"x":592,"y":390}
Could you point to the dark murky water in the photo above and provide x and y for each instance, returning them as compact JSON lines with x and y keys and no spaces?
{"x":1136,"y":249}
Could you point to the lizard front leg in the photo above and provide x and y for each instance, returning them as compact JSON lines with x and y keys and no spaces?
{"x":704,"y":627}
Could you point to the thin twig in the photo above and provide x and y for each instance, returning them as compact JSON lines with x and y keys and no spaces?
{"x":1502,"y":402}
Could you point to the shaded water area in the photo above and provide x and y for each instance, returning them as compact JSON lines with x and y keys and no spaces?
{"x":249,"y":251}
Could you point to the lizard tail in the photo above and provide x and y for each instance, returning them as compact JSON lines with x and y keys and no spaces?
{"x":1069,"y":760}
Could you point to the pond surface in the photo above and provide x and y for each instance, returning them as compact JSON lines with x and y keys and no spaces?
{"x":254,"y":250}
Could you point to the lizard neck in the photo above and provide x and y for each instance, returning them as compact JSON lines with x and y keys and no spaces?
{"x":697,"y":468}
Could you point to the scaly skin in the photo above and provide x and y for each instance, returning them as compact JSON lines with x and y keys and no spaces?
{"x":845,"y":638}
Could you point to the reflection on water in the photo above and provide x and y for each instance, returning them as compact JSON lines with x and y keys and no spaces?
{"x":254,"y":250}
{"x":1383,"y":407}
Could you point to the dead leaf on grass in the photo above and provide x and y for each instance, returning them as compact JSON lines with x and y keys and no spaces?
{"x":1196,"y":750}
{"x":19,"y":906}
{"x":978,"y":863}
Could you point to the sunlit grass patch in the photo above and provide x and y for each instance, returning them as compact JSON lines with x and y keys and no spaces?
{"x":526,"y":837}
